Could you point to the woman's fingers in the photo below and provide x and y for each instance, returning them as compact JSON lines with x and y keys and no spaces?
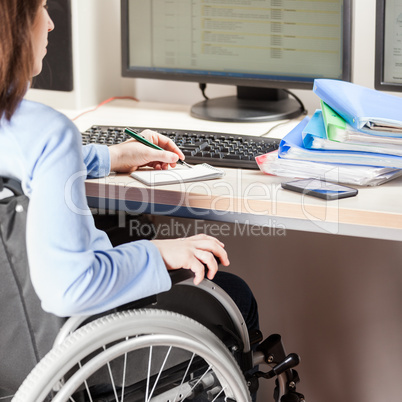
{"x":196,"y":253}
{"x":163,"y":141}
{"x":213,"y":245}
{"x":198,"y":269}
{"x":207,"y":258}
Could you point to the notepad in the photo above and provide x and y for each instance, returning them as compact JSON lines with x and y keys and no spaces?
{"x":177,"y":175}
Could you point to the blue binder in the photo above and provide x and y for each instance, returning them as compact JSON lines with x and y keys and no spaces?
{"x":292,"y":147}
{"x":315,"y":137}
{"x":314,"y":129}
{"x":366,"y":109}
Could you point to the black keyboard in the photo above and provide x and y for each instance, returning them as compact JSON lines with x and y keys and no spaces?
{"x":216,"y":149}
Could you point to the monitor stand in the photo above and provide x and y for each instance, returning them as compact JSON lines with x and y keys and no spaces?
{"x":251,"y":104}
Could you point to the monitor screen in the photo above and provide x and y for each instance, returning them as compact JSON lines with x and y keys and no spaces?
{"x":264,"y":47}
{"x":388,"y":49}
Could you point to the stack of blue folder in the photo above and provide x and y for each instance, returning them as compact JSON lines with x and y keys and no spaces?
{"x":355,"y":138}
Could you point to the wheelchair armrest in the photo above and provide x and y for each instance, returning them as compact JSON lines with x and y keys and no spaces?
{"x":180,"y":275}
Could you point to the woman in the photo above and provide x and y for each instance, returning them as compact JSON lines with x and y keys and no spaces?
{"x":74,"y":268}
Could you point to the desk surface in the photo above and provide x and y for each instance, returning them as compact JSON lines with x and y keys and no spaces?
{"x":242,"y":196}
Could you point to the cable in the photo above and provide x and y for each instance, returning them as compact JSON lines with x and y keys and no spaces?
{"x":203,"y":86}
{"x":304,"y":111}
{"x":274,"y":127}
{"x":104,"y":103}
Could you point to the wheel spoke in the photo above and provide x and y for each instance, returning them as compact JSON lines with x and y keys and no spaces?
{"x":86,"y":387}
{"x":112,"y":379}
{"x":160,"y":372}
{"x":220,"y":392}
{"x":149,"y":372}
{"x":184,"y":377}
{"x":124,"y":375}
{"x":199,"y":380}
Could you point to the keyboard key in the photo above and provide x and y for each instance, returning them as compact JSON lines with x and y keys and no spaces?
{"x":233,"y":156}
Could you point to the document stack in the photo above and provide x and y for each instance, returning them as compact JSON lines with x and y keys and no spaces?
{"x":355,"y":138}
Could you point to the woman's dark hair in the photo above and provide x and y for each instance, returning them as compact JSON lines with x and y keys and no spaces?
{"x":16,"y":56}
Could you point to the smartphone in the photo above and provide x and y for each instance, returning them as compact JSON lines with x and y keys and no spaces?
{"x":320,"y":189}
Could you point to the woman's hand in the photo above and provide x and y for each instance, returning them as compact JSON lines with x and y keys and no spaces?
{"x":131,"y":154}
{"x":192,"y":253}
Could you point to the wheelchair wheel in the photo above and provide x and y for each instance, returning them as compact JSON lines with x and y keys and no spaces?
{"x":140,"y":355}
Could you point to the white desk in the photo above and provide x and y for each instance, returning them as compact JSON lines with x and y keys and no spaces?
{"x":334,"y":299}
{"x":243,"y":196}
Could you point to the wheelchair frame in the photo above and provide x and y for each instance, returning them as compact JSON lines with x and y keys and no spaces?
{"x":170,"y":329}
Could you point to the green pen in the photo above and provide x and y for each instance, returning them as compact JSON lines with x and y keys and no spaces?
{"x":144,"y":141}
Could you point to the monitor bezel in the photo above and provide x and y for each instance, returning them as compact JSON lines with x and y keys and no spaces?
{"x":225,"y":80}
{"x":379,"y":60}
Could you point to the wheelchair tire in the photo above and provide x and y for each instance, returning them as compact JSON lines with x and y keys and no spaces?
{"x":204,"y":367}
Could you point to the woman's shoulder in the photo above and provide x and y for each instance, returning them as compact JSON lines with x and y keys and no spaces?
{"x":37,"y":127}
{"x":31,"y":110}
{"x":42,"y":121}
{"x":34,"y":134}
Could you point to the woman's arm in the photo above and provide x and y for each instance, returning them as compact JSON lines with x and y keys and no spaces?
{"x":74,"y":268}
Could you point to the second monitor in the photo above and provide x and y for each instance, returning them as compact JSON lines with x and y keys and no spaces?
{"x":264,"y":47}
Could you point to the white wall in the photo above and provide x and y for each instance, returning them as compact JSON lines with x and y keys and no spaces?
{"x":96,"y":57}
{"x":335,"y":300}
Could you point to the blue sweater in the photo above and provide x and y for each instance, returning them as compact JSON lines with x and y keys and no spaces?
{"x":74,"y":268}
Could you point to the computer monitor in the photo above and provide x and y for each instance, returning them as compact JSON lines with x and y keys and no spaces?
{"x":388,"y":46}
{"x":57,"y":71}
{"x":264,"y":47}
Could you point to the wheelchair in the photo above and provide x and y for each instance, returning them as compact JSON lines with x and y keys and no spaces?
{"x":188,"y":344}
